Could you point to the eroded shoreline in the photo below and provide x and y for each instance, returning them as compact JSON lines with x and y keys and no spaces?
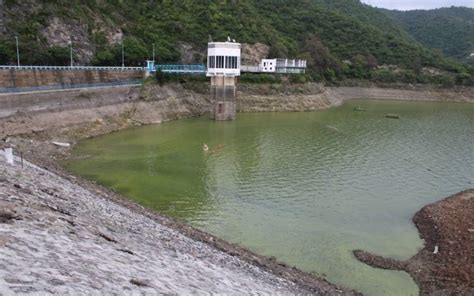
{"x":445,"y":266}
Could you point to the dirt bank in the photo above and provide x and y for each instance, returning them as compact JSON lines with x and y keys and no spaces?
{"x":408,"y":93}
{"x":445,"y":266}
{"x":74,"y":115}
{"x":80,"y":114}
{"x":286,"y":98}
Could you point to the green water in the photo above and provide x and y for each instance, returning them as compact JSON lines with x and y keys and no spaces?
{"x":306,"y":188}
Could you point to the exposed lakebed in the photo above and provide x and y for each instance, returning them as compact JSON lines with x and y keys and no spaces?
{"x":307,"y":188}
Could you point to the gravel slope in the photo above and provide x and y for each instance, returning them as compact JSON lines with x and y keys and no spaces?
{"x":58,"y":237}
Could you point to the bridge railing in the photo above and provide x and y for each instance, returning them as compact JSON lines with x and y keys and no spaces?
{"x":73,"y":68}
{"x":174,"y":68}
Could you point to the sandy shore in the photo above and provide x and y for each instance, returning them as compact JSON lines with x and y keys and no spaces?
{"x":445,"y":266}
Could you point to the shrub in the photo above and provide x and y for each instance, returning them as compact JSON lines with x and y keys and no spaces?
{"x":260,"y":78}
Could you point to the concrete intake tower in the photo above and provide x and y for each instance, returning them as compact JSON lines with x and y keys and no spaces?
{"x":223,"y":67}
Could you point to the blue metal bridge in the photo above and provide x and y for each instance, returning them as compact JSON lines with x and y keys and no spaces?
{"x":179,"y":69}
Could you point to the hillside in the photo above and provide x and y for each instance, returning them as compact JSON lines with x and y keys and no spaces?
{"x":450,"y":30}
{"x":340,"y":38}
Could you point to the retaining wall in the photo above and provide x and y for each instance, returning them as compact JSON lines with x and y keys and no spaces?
{"x":23,"y":80}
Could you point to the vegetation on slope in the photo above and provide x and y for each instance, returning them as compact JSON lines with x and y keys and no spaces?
{"x":450,"y":30}
{"x":339,"y":38}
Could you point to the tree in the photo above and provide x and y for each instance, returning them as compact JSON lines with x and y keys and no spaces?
{"x":105,"y":57}
{"x":58,"y":56}
{"x":371,"y":61}
{"x":319,"y":55}
{"x":6,"y":53}
{"x":135,"y":52}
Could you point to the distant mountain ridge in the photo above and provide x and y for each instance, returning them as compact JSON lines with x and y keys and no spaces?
{"x":450,"y":30}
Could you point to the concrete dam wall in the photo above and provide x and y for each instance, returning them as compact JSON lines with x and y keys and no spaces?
{"x":24,"y":80}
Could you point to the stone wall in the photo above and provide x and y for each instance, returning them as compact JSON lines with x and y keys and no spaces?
{"x":29,"y":80}
{"x":12,"y":103}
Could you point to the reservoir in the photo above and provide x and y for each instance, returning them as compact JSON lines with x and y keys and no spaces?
{"x":306,"y":188}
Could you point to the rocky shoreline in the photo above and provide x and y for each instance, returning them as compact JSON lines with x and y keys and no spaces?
{"x":445,"y":266}
{"x":31,"y":132}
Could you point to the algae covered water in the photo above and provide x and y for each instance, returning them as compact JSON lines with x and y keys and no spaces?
{"x":306,"y":188}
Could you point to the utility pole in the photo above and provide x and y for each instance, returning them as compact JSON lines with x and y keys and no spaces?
{"x":123,"y":60}
{"x":153,"y":52}
{"x":17,"y":51}
{"x":70,"y":51}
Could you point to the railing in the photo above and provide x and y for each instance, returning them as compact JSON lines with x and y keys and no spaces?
{"x":182,"y":69}
{"x":286,"y":63}
{"x":290,"y":70}
{"x":73,"y":68}
{"x":258,"y":69}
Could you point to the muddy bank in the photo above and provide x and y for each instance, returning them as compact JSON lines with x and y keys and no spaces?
{"x":445,"y":266}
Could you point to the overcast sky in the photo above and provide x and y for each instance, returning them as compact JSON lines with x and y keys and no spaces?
{"x":418,"y":4}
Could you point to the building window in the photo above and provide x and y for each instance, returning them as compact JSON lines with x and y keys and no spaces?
{"x":220,"y":62}
{"x":220,"y":108}
{"x":212,"y":61}
{"x":223,"y":62}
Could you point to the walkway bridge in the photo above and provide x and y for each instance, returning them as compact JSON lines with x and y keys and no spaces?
{"x":179,"y":69}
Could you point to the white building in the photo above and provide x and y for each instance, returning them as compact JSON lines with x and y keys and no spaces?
{"x":268,"y":65}
{"x":277,"y":66}
{"x":223,"y":58}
